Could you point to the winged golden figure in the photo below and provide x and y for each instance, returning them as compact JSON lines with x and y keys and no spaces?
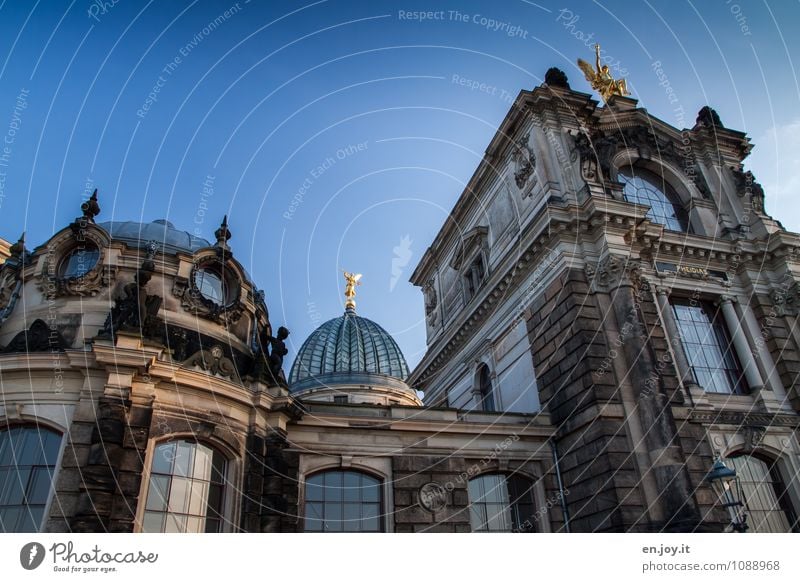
{"x":601,"y":79}
{"x":352,"y":279}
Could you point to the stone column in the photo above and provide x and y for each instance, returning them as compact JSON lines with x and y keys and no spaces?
{"x":682,"y":364}
{"x":746,"y":358}
{"x":668,"y":463}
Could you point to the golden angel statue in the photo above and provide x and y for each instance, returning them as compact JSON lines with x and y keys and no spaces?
{"x":601,"y":79}
{"x":352,"y":279}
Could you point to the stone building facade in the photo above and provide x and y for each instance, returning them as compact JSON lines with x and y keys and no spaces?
{"x":609,"y":309}
{"x":635,"y":265}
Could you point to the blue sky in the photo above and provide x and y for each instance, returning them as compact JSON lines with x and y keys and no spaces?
{"x":336,"y":135}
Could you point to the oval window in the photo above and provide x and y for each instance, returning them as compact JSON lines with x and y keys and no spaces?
{"x":211,"y":286}
{"x":79,"y":261}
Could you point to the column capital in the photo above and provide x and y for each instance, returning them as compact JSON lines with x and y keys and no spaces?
{"x":726,"y":300}
{"x":662,"y":291}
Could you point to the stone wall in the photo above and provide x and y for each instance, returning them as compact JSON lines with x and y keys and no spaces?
{"x":412,"y":472}
{"x":569,"y":347}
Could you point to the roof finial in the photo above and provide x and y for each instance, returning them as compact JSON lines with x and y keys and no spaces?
{"x":91,"y":208}
{"x":18,"y":248}
{"x":223,"y":234}
{"x":352,"y":279}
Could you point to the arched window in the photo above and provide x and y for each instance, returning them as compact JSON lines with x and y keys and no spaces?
{"x":769,"y":508}
{"x":28,"y":456}
{"x":502,"y":503}
{"x":339,"y":501}
{"x":186,"y":489}
{"x":486,"y":390}
{"x":649,"y":189}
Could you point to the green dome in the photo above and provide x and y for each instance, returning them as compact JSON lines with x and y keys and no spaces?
{"x":348,"y":346}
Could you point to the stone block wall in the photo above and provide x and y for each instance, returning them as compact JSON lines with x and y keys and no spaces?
{"x":569,"y":348}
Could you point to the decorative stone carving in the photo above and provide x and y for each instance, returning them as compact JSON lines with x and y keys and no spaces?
{"x":524,"y":161}
{"x":736,"y":418}
{"x":223,"y":233}
{"x":432,"y":497}
{"x":40,"y":337}
{"x":192,"y":299}
{"x":272,"y":351}
{"x":90,"y":208}
{"x":83,"y":235}
{"x":753,"y":437}
{"x":609,"y":271}
{"x":10,"y":280}
{"x":136,"y":310}
{"x":214,"y":361}
{"x":748,"y":188}
{"x":555,"y":77}
{"x":786,"y":298}
{"x":431,"y":301}
{"x":708,"y":117}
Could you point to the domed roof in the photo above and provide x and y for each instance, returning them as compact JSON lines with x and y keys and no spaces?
{"x":138,"y":234}
{"x":348,"y":345}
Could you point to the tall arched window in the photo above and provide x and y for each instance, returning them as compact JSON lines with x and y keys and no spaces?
{"x":502,"y":503}
{"x":338,"y":501}
{"x":28,"y":456}
{"x":649,"y":189}
{"x":186,"y":489}
{"x":486,"y":389}
{"x":769,"y":508}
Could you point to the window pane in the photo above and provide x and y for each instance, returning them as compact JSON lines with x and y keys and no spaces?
{"x":333,"y":485}
{"x":342,"y":501}
{"x":352,"y":485}
{"x":198,"y":499}
{"x":371,"y":515}
{"x":710,"y":354}
{"x":80,"y":261}
{"x":642,"y":187}
{"x":371,"y":491}
{"x":202,"y":463}
{"x":30,"y":519}
{"x":500,"y":503}
{"x":39,"y":488}
{"x":215,"y":500}
{"x":315,"y":489}
{"x":27,"y":463}
{"x":162,"y":458}
{"x":175,"y":523}
{"x":184,"y":453}
{"x":192,"y":497}
{"x":179,"y":495}
{"x":761,"y":488}
{"x":351,"y":515}
{"x":218,"y":468}
{"x":157,"y":493}
{"x":195,"y":524}
{"x":210,"y":286}
{"x":153,"y":522}
{"x":10,"y":518}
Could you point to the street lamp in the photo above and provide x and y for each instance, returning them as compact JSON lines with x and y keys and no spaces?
{"x":726,"y":485}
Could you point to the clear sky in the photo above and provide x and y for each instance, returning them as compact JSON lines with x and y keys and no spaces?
{"x":338,"y":134}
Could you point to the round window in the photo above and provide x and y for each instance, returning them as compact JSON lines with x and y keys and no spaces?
{"x":79,"y":261}
{"x":211,"y":285}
